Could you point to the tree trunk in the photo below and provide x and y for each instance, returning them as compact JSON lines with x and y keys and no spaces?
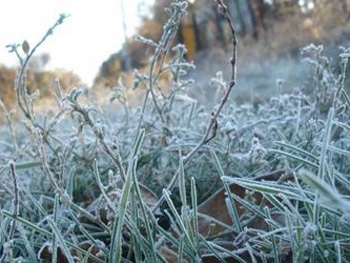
{"x":196,"y":31}
{"x":260,"y":14}
{"x":125,"y":50}
{"x":346,"y":7}
{"x":253,"y":19}
{"x":221,"y":34}
{"x":239,"y":15}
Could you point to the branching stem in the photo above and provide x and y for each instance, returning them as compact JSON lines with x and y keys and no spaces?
{"x":210,"y":132}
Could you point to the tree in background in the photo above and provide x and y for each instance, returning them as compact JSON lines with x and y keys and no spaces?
{"x":37,"y":78}
{"x":346,"y":7}
{"x":283,"y":26}
{"x":137,"y":53}
{"x":7,"y":81}
{"x":257,"y":11}
{"x":43,"y":80}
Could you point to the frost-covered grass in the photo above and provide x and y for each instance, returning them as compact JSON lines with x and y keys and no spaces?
{"x":73,"y":181}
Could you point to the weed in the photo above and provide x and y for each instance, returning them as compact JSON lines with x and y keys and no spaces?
{"x":74,"y":186}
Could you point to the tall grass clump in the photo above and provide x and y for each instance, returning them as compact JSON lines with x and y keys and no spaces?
{"x":134,"y":184}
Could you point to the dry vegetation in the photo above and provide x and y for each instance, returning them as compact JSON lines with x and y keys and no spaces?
{"x":170,"y":181}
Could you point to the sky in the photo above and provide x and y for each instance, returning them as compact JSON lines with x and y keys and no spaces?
{"x":91,"y":33}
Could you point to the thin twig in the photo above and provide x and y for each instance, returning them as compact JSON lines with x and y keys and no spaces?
{"x":10,"y":126}
{"x":210,"y":132}
{"x":23,"y":98}
{"x":15,"y":212}
{"x":15,"y":199}
{"x":159,"y":58}
{"x":114,"y":155}
{"x":20,"y":85}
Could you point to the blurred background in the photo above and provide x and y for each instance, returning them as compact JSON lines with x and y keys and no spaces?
{"x":96,"y":46}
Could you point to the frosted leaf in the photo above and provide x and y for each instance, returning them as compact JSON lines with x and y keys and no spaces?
{"x":229,"y":126}
{"x":311,"y":48}
{"x":144,"y":40}
{"x":25,"y":47}
{"x":310,"y":231}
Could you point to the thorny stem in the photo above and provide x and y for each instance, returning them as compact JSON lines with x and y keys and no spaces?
{"x":210,"y":132}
